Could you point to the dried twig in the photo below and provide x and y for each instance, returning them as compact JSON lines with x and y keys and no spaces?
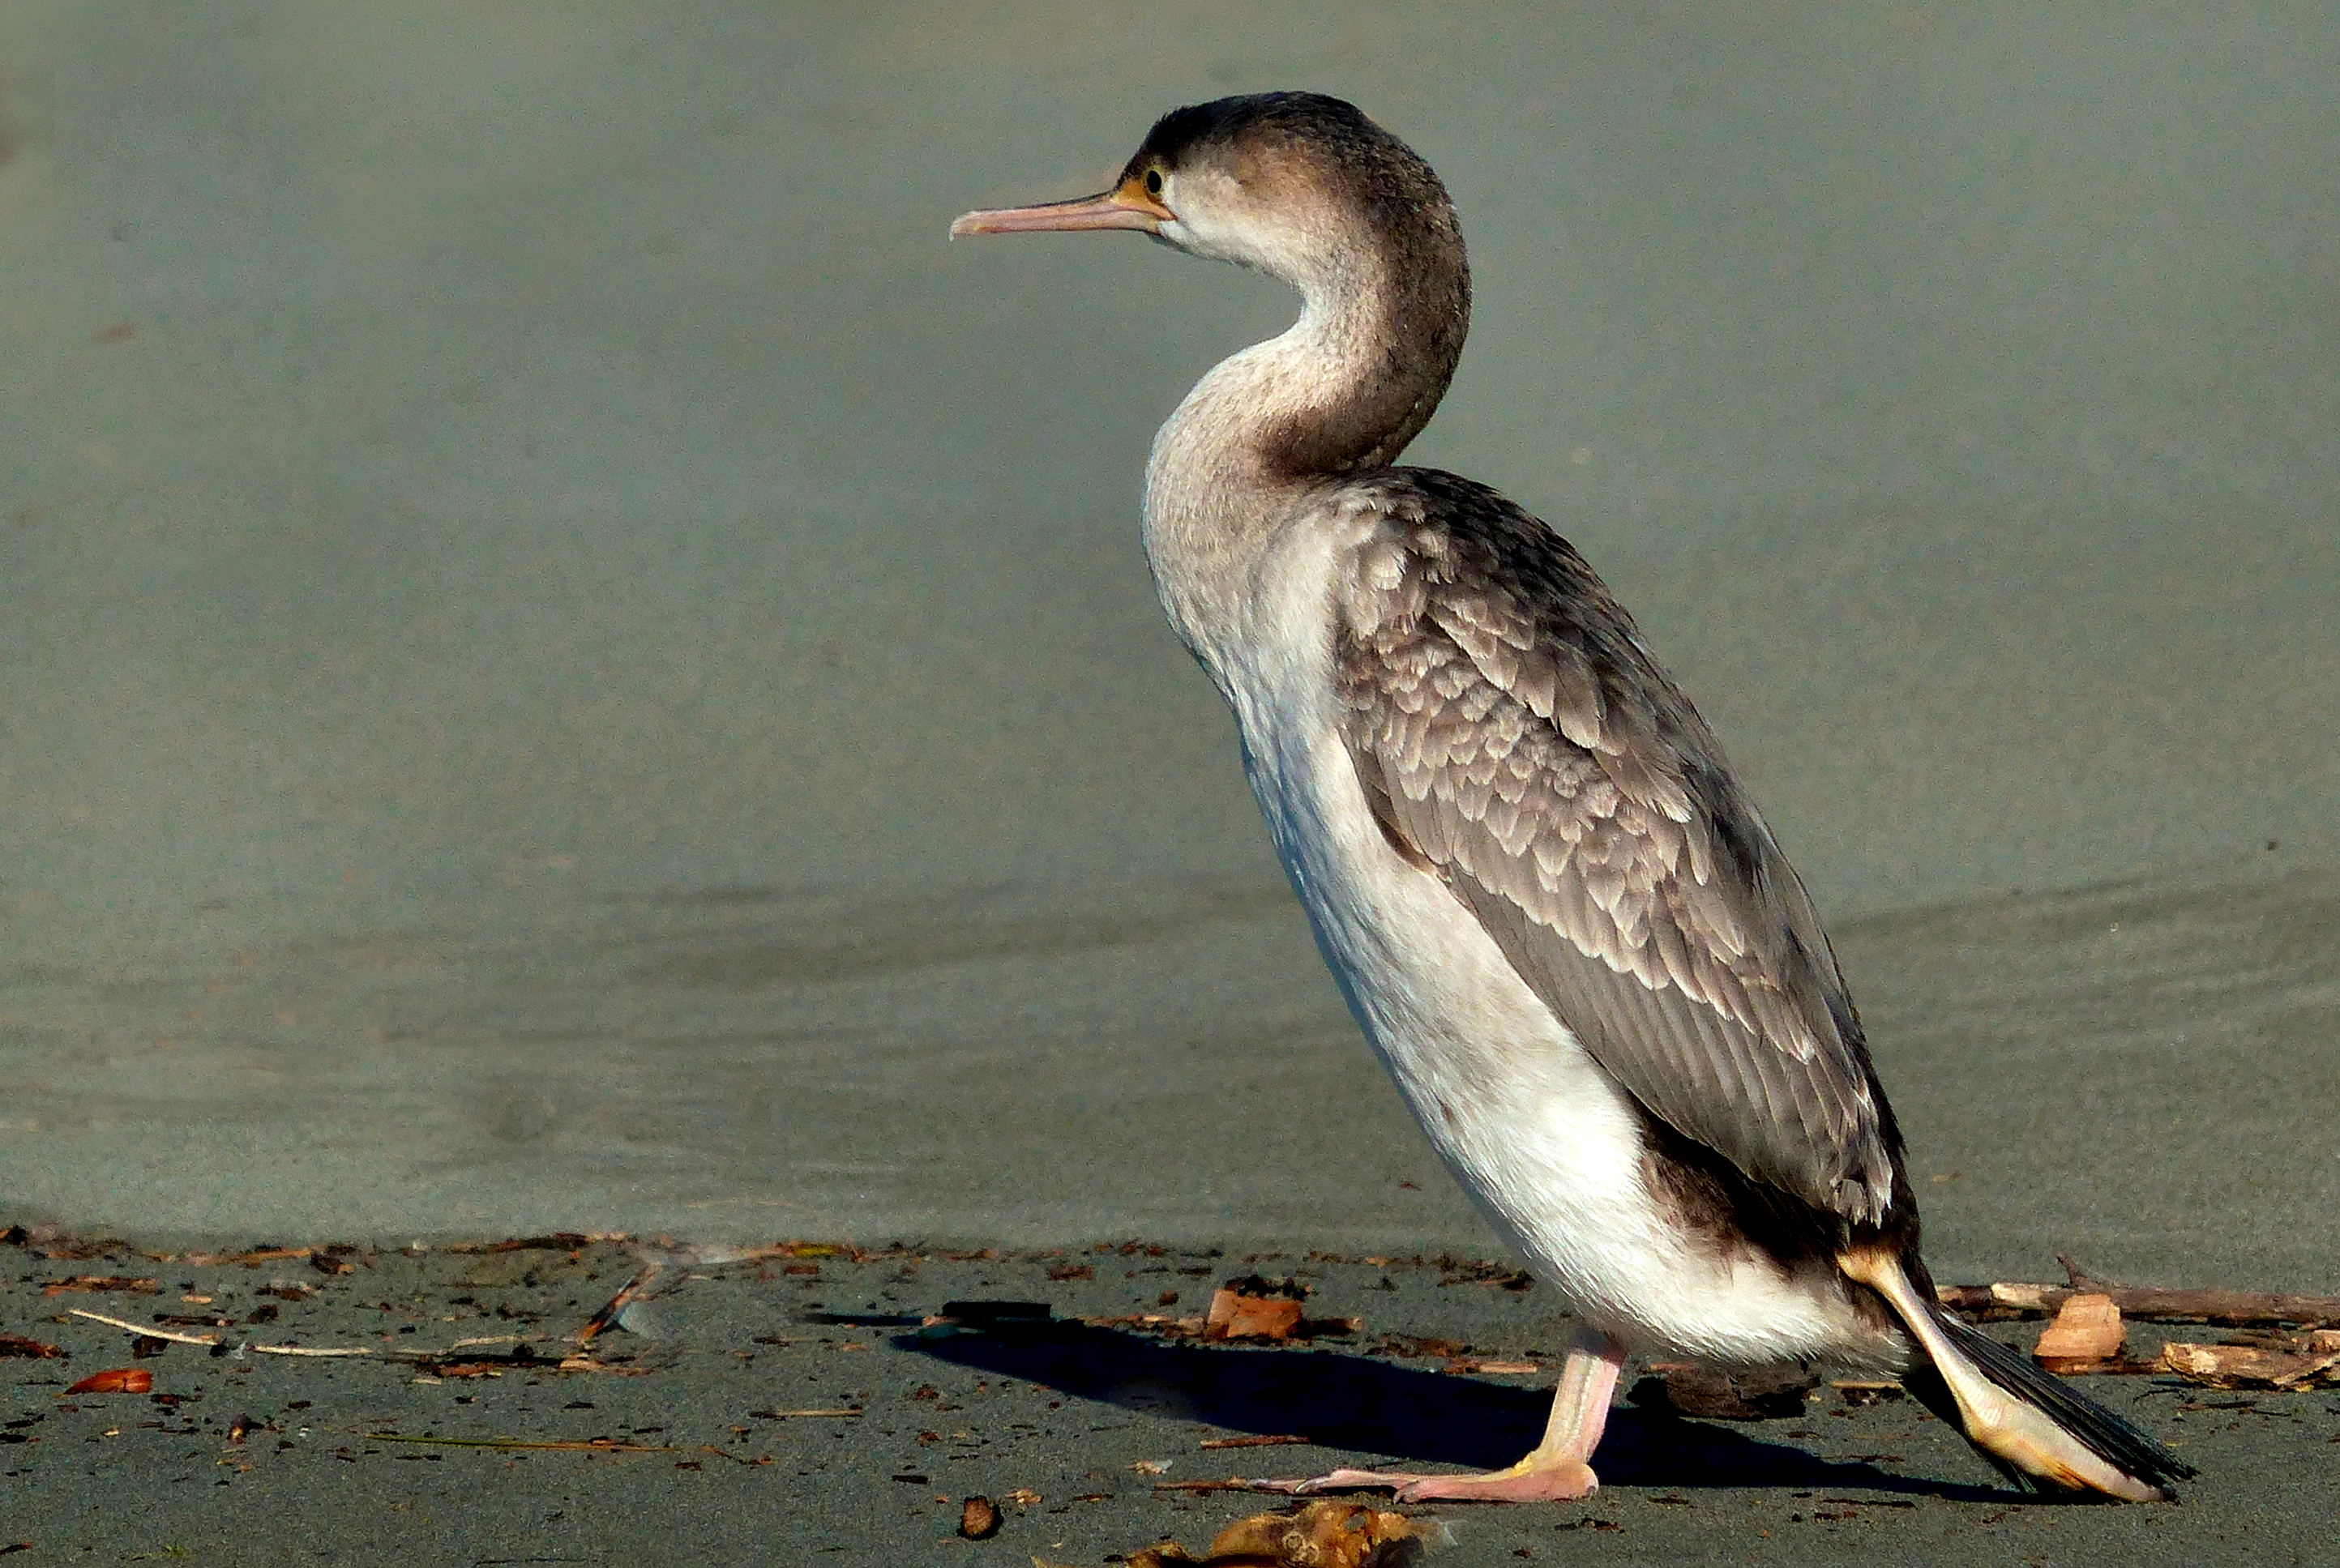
{"x":628,"y":1292}
{"x":213,"y":1340}
{"x":175,"y":1337}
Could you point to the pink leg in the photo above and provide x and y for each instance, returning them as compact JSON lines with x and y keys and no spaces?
{"x":1558,"y":1470}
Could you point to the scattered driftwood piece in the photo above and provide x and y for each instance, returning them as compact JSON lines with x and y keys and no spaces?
{"x":252,"y":1259}
{"x":2086,"y":1336}
{"x":2255,"y":1366}
{"x":1761,"y":1395}
{"x":2144,"y":1303}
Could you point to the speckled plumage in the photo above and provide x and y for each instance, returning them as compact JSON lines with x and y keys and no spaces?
{"x":1513,"y":731}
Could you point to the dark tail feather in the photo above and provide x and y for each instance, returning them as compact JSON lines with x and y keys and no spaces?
{"x":2100,"y":1431}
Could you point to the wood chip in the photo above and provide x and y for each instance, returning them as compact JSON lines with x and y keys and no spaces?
{"x":2086,"y":1336}
{"x":1233,"y":1316}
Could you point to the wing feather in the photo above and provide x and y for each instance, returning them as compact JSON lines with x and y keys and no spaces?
{"x":1505,"y":718}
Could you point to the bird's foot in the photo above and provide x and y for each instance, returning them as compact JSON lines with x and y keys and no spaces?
{"x":1563,"y":1481}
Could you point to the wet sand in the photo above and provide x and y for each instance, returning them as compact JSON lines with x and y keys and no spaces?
{"x":571,"y":666}
{"x":2132,"y":1073}
{"x":795,"y":1411}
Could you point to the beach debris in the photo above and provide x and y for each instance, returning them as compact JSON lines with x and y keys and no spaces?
{"x":2306,"y":1361}
{"x":978,"y":1519}
{"x":116,"y":1380}
{"x":1326,"y":1533}
{"x":1239,"y":1314}
{"x":1858,"y":1392}
{"x":53,"y":1242}
{"x":98,"y":1282}
{"x":1764,"y":1394}
{"x":448,"y":1361}
{"x":1483,"y":1272}
{"x":1150,"y":1466}
{"x":17,"y":1345}
{"x":2086,"y":1336}
{"x":2142,"y":1303}
{"x":613,"y":1312}
{"x":252,"y":1258}
{"x":992,"y":1316}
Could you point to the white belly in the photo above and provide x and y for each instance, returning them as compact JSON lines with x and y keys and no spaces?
{"x":1543,"y":1140}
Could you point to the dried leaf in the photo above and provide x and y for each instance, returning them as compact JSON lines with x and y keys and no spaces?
{"x":101,"y":1282}
{"x":116,"y":1380}
{"x":16,"y":1345}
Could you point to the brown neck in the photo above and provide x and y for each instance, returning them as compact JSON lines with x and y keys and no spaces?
{"x":1387,"y":336}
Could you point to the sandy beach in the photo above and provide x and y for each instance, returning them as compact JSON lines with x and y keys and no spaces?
{"x":574,"y":668}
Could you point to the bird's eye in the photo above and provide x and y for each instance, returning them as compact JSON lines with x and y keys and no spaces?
{"x":1154,"y":181}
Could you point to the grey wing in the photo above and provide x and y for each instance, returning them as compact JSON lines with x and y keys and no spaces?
{"x":1512,"y":733}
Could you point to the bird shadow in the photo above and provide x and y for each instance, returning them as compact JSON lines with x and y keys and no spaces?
{"x":1360,"y":1404}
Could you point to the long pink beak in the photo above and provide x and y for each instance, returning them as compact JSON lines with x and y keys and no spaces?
{"x":1128,"y":207}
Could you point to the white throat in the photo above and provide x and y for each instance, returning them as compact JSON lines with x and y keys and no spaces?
{"x":1213,"y":498}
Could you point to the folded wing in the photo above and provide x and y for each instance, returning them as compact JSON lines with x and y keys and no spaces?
{"x":1515,"y":738}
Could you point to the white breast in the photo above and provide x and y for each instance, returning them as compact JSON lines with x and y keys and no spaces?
{"x":1540,"y":1138}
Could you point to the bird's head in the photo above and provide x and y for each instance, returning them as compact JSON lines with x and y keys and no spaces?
{"x":1288,"y":183}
